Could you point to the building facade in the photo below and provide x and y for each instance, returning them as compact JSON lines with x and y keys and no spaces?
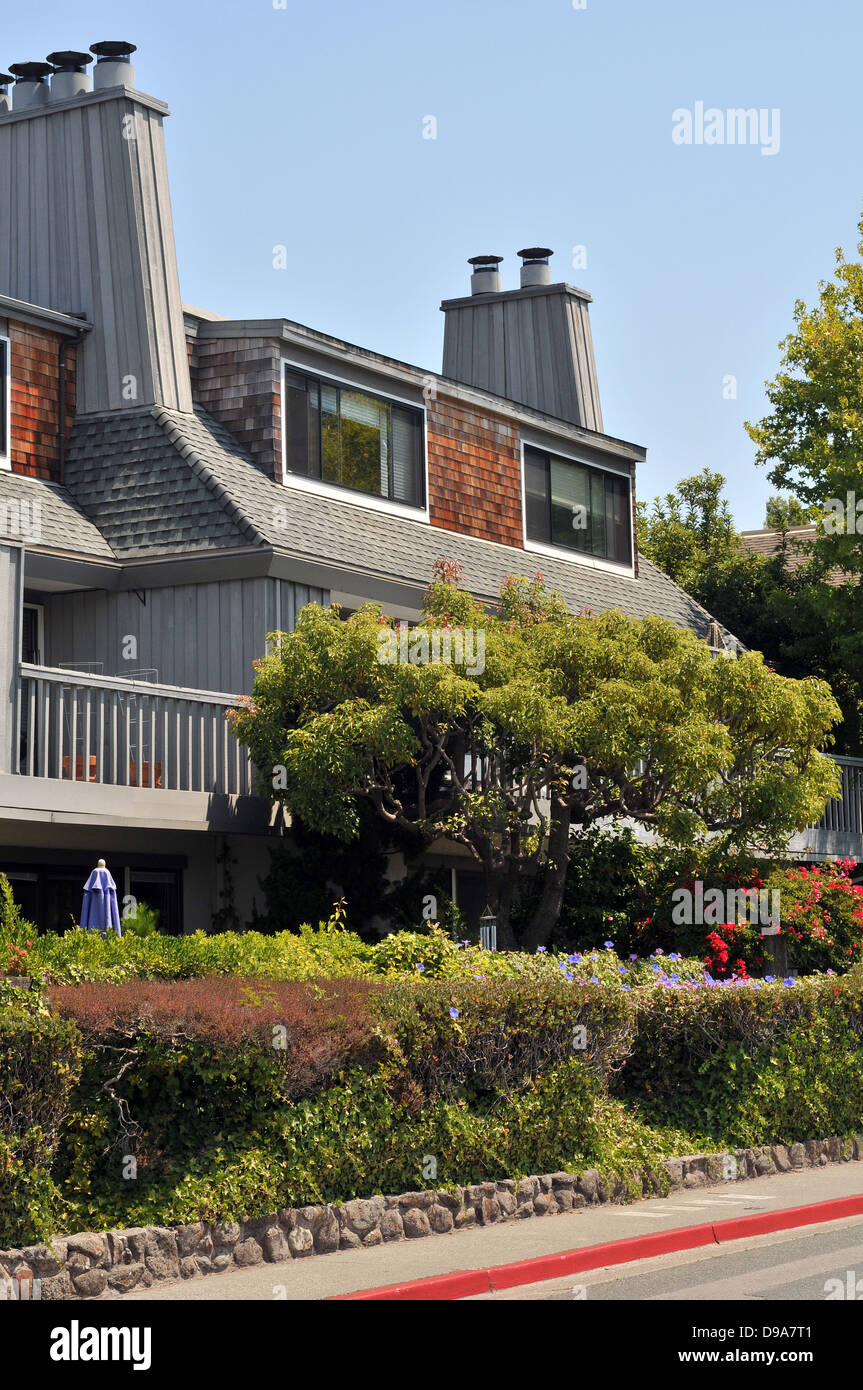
{"x":175,"y":485}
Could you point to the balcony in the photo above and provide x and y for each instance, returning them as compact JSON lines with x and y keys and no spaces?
{"x":115,"y":732}
{"x":839,"y":833}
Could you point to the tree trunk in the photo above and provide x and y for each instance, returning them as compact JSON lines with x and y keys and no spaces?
{"x":557,"y":866}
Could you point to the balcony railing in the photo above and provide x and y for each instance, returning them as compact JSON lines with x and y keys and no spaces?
{"x":845,"y":817}
{"x":126,"y":733}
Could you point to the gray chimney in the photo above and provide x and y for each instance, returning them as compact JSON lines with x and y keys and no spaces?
{"x":486,"y":276}
{"x":86,"y":226}
{"x":70,"y":77}
{"x":5,"y":99}
{"x":531,"y":345}
{"x":113,"y":64}
{"x":31,"y":88}
{"x":535,"y":269}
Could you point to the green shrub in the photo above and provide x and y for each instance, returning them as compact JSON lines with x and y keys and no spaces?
{"x":497,"y":1036}
{"x":756,"y":1063}
{"x":40,"y":1062}
{"x":144,"y":921}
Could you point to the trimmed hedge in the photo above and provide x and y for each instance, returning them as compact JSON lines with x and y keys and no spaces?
{"x":40,"y":1064}
{"x":490,"y":1077}
{"x":751,"y":1064}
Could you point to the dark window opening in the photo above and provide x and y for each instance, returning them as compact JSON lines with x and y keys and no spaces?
{"x":353,"y":439}
{"x":577,"y":507}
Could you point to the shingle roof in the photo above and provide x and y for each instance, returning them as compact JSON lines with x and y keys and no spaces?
{"x":139,"y":488}
{"x":797,"y":553}
{"x":159,"y":480}
{"x":59,"y":523}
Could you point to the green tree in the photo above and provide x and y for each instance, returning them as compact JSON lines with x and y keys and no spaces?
{"x":812,"y":442}
{"x":783,"y":513}
{"x":567,"y":720}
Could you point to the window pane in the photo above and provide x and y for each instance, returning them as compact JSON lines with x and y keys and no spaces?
{"x":536,"y":496}
{"x":331,"y":470}
{"x":618,"y":519}
{"x":365,"y":443}
{"x":597,"y":514}
{"x":407,"y":456}
{"x":571,"y":506}
{"x":296,"y":424}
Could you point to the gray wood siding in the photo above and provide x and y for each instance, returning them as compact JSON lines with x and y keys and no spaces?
{"x":86,"y":227}
{"x":533,"y":347}
{"x":201,"y":636}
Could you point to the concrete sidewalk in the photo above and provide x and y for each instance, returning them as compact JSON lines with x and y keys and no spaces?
{"x":326,"y":1276}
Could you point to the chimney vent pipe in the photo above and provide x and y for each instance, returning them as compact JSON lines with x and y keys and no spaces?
{"x":31,"y":89}
{"x":486,"y":276}
{"x":70,"y":77}
{"x":535,"y":269}
{"x":113,"y":64}
{"x":5,"y":99}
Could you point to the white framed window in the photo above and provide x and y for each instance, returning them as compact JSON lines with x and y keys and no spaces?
{"x":346,"y":441}
{"x":5,"y":402}
{"x":576,"y":509}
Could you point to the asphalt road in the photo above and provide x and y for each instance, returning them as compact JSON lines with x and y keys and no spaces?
{"x":790,"y":1266}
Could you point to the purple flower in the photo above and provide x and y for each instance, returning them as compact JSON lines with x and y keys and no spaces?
{"x":676,"y":979}
{"x":453,"y":1013}
{"x":674,"y":956}
{"x":594,"y":980}
{"x":575,"y":958}
{"x":769,"y":979}
{"x":789,"y":982}
{"x":621,"y":970}
{"x":627,"y":987}
{"x":609,"y":945}
{"x":633,"y":957}
{"x":569,"y":975}
{"x":655,"y":969}
{"x":419,"y":966}
{"x":539,"y":950}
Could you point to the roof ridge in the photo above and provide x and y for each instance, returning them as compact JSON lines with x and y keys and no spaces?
{"x":186,"y":449}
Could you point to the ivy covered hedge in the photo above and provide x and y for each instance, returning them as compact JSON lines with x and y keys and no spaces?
{"x":155,"y":1102}
{"x":40,"y":1064}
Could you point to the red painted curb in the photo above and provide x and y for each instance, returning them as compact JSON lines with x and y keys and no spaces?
{"x":466,"y":1282}
{"x":767,"y":1221}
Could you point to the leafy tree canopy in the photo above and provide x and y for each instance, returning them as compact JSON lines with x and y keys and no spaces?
{"x":568,"y":719}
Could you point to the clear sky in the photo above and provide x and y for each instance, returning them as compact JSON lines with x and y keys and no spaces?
{"x":303,"y":126}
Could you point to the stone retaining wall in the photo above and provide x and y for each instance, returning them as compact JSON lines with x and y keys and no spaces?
{"x":89,"y":1265}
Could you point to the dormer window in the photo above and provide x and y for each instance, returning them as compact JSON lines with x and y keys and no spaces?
{"x":351,"y":438}
{"x":578,"y":507}
{"x":5,"y":404}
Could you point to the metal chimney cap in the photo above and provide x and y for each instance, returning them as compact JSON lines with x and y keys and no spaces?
{"x":484,"y":260}
{"x":6,"y":77}
{"x":67,"y":60}
{"x":30,"y":72}
{"x":535,"y":253}
{"x":113,"y":50}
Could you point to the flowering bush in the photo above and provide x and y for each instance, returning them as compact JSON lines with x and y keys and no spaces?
{"x":822,"y":916}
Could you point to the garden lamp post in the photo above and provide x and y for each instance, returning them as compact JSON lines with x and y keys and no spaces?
{"x":488,"y":930}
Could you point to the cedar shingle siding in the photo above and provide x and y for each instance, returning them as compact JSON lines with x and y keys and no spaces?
{"x":35,"y":400}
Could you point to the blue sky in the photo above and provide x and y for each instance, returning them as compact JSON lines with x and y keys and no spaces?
{"x":303,"y":127}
